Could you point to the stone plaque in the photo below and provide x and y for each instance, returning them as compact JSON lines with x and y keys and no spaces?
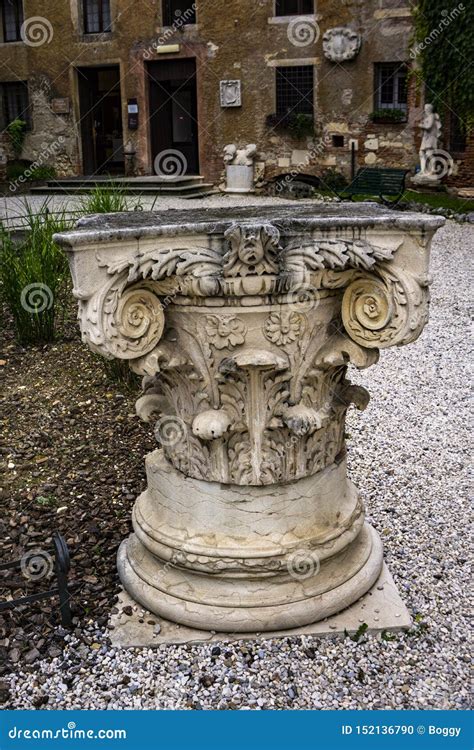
{"x":341,"y":44}
{"x":231,"y":94}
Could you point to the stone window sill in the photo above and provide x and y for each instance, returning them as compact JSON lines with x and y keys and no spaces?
{"x":388,"y":121}
{"x":276,"y":20}
{"x":101,"y":36}
{"x":181,"y":29}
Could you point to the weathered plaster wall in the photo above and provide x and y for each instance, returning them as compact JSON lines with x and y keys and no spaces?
{"x":232,"y":39}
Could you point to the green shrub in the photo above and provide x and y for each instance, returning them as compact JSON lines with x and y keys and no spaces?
{"x":42,"y":172}
{"x":107,"y":199}
{"x":333,"y":180}
{"x":27,"y":170}
{"x":301,"y":125}
{"x":389,"y":115}
{"x":16,"y":131}
{"x":17,"y":168}
{"x":33,"y":276}
{"x":298,"y":124}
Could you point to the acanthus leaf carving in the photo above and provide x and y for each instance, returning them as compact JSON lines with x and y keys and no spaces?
{"x":334,"y":254}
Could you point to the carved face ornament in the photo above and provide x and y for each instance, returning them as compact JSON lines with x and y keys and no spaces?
{"x":251,"y":250}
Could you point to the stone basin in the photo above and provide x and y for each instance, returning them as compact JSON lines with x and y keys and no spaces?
{"x":242,"y":322}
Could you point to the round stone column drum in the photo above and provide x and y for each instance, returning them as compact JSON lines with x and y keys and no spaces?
{"x":242,"y":324}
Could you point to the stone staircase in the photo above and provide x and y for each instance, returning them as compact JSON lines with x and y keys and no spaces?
{"x":187,"y":186}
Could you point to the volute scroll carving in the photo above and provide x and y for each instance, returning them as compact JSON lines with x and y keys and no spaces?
{"x":386,"y":308}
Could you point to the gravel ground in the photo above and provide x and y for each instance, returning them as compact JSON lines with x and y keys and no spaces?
{"x":409,"y":457}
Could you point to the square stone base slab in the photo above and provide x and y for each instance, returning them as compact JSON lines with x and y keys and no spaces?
{"x":381,"y":609}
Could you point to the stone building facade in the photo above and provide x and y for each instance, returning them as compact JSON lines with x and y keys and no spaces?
{"x":163,"y":86}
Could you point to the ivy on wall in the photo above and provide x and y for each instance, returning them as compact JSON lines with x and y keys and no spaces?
{"x":443,"y":48}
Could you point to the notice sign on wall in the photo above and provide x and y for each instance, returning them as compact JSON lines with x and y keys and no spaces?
{"x":61,"y":106}
{"x":132,"y":108}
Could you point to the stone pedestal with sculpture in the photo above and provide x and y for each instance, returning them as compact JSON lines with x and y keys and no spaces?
{"x":242,"y":324}
{"x":239,"y":168}
{"x":435,"y":163}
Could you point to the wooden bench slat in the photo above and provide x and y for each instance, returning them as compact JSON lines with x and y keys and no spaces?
{"x":378,"y":181}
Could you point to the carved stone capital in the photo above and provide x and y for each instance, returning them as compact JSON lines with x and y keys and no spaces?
{"x":243,"y":327}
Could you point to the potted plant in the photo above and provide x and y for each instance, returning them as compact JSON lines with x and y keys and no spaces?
{"x":388,"y":116}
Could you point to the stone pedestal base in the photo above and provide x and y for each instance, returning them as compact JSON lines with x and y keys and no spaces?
{"x":243,"y":559}
{"x":381,"y":608}
{"x":426,"y":180}
{"x":239,"y":179}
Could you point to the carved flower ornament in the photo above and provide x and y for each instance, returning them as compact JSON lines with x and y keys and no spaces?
{"x":283,"y":328}
{"x":226,"y":331}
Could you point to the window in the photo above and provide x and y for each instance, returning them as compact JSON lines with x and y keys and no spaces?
{"x":338,"y":141}
{"x":12,"y":20}
{"x":96,"y":16}
{"x":391,"y":86}
{"x":14,"y":103}
{"x":294,"y":89}
{"x":178,"y":12}
{"x":294,"y":7}
{"x":457,"y":134}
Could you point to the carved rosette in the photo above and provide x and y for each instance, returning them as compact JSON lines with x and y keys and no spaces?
{"x":244,"y":343}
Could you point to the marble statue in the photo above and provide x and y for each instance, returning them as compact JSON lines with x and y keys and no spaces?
{"x":435,"y":163}
{"x":430,"y":124}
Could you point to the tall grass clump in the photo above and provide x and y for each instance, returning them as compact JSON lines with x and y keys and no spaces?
{"x":108,"y":199}
{"x":33,"y":275}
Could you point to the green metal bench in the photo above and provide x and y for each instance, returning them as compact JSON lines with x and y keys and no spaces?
{"x":378,"y":181}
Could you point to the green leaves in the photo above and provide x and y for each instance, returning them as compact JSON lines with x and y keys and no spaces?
{"x":444,"y":49}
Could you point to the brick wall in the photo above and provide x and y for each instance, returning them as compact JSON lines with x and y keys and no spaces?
{"x":242,"y":40}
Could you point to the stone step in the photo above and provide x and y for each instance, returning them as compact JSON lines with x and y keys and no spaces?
{"x":125,"y":181}
{"x":149,"y":189}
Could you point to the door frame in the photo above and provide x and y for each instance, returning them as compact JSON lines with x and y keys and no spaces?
{"x":76,"y":73}
{"x":197,"y":130}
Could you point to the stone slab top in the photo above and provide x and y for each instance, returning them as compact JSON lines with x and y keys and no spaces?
{"x":133,"y":225}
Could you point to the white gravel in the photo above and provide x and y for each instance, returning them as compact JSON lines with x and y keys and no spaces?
{"x":409,"y":457}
